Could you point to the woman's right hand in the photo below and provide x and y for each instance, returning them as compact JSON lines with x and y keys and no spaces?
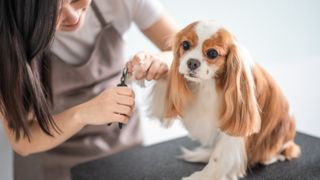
{"x":112,"y":105}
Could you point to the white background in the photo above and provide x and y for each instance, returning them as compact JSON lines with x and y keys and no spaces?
{"x":283,"y":36}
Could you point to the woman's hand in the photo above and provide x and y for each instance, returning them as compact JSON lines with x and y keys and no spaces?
{"x":112,"y":105}
{"x":148,"y":66}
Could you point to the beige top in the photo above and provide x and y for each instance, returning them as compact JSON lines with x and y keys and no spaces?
{"x":76,"y":47}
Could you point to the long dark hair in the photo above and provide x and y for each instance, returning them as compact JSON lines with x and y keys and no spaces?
{"x":27,"y":29}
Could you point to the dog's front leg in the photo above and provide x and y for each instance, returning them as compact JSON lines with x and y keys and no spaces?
{"x":156,"y":99}
{"x":227,"y":161}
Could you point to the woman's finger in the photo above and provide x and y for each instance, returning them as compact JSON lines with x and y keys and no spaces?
{"x":125,"y":100}
{"x":122,"y":109}
{"x":153,"y":71}
{"x":163,"y":70}
{"x":125,"y":91}
{"x":116,"y":117}
{"x":129,"y":66}
{"x":137,"y":59}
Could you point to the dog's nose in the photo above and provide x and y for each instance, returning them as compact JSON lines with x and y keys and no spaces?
{"x":193,"y":64}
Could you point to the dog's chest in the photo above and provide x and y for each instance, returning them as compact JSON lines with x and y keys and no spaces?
{"x":201,"y":117}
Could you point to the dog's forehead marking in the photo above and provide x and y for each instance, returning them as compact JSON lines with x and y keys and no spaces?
{"x":206,"y":29}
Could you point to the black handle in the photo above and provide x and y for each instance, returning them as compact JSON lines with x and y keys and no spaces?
{"x":122,"y":84}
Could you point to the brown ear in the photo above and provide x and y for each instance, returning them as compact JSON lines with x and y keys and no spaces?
{"x":178,"y":92}
{"x":240,"y":114}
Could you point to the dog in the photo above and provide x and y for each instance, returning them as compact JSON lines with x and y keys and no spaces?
{"x":226,"y":101}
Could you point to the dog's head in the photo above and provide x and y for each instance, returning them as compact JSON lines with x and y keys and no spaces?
{"x":204,"y":51}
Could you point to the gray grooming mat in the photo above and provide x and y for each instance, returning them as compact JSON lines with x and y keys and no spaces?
{"x":158,"y":162}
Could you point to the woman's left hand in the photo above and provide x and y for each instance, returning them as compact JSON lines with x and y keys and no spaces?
{"x":148,"y":66}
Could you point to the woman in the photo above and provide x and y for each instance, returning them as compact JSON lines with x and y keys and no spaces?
{"x":79,"y":73}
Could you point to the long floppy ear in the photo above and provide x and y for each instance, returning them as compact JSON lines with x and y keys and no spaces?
{"x":178,"y":92}
{"x":240,"y":113}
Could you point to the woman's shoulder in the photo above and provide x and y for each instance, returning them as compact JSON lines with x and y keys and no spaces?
{"x":129,"y":8}
{"x":125,"y":7}
{"x":124,"y":12}
{"x":118,"y":4}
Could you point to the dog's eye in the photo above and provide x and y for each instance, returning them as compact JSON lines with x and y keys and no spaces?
{"x":185,"y":45}
{"x":212,"y":53}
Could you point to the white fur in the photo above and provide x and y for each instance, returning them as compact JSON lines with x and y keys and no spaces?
{"x":200,"y":118}
{"x":224,"y":154}
{"x":206,"y":29}
{"x":227,"y":161}
{"x":200,"y":154}
{"x":156,"y":102}
{"x":227,"y":157}
{"x":276,"y":158}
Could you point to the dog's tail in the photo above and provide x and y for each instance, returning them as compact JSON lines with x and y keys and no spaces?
{"x":291,"y":151}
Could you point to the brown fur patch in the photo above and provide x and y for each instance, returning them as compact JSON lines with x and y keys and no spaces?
{"x":239,"y":110}
{"x":277,"y":126}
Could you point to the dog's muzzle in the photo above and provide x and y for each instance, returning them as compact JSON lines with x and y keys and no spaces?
{"x":193,"y":64}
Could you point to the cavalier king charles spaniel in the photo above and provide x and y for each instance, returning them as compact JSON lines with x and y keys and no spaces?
{"x":230,"y":104}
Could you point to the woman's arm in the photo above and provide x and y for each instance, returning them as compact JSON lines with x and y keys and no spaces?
{"x":162,"y":32}
{"x":155,"y":65}
{"x":113,"y":105}
{"x":68,"y":122}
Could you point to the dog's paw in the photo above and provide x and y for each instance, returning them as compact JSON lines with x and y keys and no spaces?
{"x":197,"y":176}
{"x":140,"y":83}
{"x":197,"y":155}
{"x":200,"y":175}
{"x":232,"y":178}
{"x":276,"y":158}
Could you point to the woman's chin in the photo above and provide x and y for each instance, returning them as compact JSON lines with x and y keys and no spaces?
{"x":73,"y":27}
{"x":70,"y":28}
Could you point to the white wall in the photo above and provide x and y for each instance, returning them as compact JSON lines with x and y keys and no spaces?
{"x":281,"y":35}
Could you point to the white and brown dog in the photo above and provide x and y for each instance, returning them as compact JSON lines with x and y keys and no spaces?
{"x":225,"y":101}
